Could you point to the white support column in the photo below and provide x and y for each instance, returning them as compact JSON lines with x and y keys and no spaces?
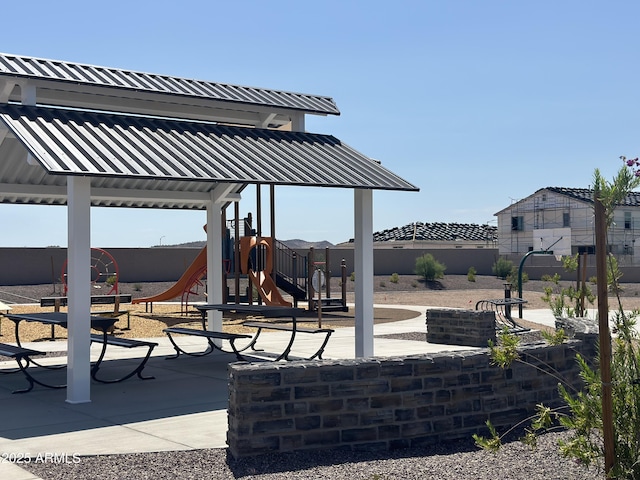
{"x":28,"y":94}
{"x":297,"y":123}
{"x":79,"y":289}
{"x":214,"y":253}
{"x":363,"y":263}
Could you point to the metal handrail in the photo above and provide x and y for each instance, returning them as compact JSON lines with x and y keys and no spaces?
{"x":291,"y":265}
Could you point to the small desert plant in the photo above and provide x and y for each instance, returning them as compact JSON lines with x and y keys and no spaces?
{"x":111,"y":280}
{"x":382,"y":284}
{"x":395,"y":278}
{"x":471,"y":274}
{"x":137,"y":287}
{"x":567,"y":301}
{"x":513,"y":276}
{"x":429,"y":268}
{"x":352,"y":277}
{"x":502,"y":268}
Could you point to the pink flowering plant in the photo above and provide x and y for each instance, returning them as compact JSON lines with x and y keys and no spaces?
{"x":633,"y":164}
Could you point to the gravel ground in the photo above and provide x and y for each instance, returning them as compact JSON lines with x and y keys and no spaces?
{"x":456,"y":460}
{"x":459,"y":461}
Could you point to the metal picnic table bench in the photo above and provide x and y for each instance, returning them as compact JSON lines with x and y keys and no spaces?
{"x":502,"y":306}
{"x":266,"y":311}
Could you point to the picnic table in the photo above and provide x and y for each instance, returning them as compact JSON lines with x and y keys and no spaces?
{"x":99,"y":323}
{"x":264,"y":311}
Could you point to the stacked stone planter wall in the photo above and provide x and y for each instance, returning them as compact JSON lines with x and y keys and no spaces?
{"x":473,"y":328}
{"x":387,"y":403}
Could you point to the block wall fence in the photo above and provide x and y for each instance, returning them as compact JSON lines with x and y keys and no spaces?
{"x":389,"y":403}
{"x":32,"y":266}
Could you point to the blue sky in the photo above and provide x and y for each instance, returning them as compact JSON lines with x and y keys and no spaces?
{"x":478,"y":103}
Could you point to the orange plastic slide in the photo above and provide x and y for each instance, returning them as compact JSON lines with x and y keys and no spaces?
{"x":262,"y":280}
{"x":267,"y":289}
{"x":184,"y":283}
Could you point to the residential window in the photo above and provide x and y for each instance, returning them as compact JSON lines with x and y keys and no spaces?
{"x":627,"y":220}
{"x":517,"y":223}
{"x":566,"y":219}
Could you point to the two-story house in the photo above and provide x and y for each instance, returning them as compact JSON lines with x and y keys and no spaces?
{"x":562,"y":219}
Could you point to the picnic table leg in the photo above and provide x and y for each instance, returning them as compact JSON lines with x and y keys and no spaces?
{"x":31,"y":360}
{"x":180,"y":350}
{"x":285,"y":354}
{"x":232,"y":342}
{"x":23,"y":369}
{"x":30,"y":378}
{"x":96,"y":366}
{"x":321,"y":349}
{"x":137,"y":370}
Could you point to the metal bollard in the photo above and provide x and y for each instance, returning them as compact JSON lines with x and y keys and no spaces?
{"x":507,"y":297}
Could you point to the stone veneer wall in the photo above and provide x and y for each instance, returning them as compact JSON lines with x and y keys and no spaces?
{"x":473,"y":328}
{"x":387,"y":403}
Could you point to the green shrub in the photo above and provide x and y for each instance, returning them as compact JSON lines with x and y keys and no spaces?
{"x":395,"y":278}
{"x":513,"y":276}
{"x":352,"y":277}
{"x":382,"y":284}
{"x":567,"y":301}
{"x":502,"y":268}
{"x":429,"y":268}
{"x":471,"y":274}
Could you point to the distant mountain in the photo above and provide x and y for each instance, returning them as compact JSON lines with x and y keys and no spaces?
{"x":303,"y":244}
{"x":199,"y":244}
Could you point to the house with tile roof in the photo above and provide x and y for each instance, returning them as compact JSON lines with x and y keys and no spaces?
{"x":555,"y":216}
{"x":436,"y":235}
{"x":439,"y":234}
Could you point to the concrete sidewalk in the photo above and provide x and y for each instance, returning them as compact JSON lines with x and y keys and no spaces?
{"x":183,"y":408}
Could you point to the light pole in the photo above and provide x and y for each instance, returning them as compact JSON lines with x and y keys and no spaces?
{"x":161,"y":239}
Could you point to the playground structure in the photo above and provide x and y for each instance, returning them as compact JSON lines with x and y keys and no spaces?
{"x":256,"y":257}
{"x":269,"y":266}
{"x":252,"y":256}
{"x":104,"y":270}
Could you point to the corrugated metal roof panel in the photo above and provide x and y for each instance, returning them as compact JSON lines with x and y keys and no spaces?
{"x":30,"y":67}
{"x":147,"y":153}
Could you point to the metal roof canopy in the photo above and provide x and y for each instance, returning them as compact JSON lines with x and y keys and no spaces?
{"x":85,"y":135}
{"x":103,"y":88}
{"x":165,"y":163}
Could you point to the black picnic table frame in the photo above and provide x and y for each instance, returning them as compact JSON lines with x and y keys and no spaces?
{"x":502,"y":306}
{"x":266,"y":311}
{"x":99,"y":323}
